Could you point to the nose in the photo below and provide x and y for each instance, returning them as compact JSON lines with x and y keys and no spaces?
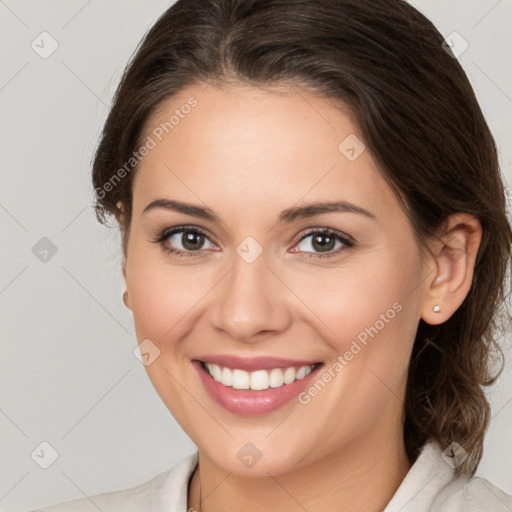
{"x":251,"y":302}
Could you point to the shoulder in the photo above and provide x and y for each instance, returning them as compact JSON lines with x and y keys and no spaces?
{"x":163,"y":492}
{"x":132,"y":499}
{"x":432,"y":486}
{"x":472,"y":495}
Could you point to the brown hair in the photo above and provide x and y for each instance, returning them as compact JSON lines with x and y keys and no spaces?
{"x":418,"y":115}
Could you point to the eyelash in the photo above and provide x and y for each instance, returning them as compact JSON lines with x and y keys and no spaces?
{"x":162,"y":237}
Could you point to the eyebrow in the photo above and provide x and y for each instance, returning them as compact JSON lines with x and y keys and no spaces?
{"x":286,"y":216}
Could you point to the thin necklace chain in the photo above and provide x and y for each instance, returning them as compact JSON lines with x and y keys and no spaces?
{"x":200,"y":490}
{"x":200,"y":502}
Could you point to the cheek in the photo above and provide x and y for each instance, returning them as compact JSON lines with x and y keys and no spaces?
{"x":368,"y":314}
{"x":361,"y":298}
{"x":167,"y":301}
{"x":370,"y":328}
{"x":161,"y":298}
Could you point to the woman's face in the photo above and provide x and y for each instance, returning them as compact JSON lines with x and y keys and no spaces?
{"x":258,"y":280}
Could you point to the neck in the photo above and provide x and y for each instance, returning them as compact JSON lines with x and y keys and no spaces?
{"x":363,"y":476}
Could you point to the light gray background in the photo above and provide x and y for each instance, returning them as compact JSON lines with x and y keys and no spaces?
{"x":68,"y":373}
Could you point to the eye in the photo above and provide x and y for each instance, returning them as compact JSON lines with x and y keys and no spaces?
{"x":189,"y":241}
{"x":325,"y":241}
{"x":183,"y":241}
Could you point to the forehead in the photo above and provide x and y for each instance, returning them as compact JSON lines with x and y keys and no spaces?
{"x":275,"y":146}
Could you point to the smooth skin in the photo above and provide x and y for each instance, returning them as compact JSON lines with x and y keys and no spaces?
{"x":247,"y":154}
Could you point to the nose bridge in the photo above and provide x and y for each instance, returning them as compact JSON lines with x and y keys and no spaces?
{"x":250,"y":299}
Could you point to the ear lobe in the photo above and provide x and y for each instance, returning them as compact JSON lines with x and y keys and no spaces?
{"x":119,"y":213}
{"x":454,"y":253}
{"x":125,"y":299}
{"x":125,"y":291}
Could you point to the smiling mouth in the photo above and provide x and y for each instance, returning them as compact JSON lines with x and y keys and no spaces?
{"x":258,"y":380}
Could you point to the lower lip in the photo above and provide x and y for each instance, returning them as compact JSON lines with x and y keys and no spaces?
{"x":252,"y":403}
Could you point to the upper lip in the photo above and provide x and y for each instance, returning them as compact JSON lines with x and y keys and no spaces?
{"x":251,"y":364}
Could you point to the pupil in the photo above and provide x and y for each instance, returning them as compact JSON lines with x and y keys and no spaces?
{"x":192,"y":240}
{"x":323,"y":247}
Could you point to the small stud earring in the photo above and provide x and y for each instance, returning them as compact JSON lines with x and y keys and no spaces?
{"x":437,"y":308}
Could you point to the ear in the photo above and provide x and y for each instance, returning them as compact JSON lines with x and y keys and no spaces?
{"x":120,"y":220}
{"x":126,"y":298}
{"x":119,"y":213}
{"x":454,"y":253}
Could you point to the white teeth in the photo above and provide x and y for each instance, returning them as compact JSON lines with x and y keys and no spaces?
{"x":216,"y":372}
{"x":301,"y":372}
{"x":289,"y":375}
{"x":276,"y":378}
{"x":226,"y":377}
{"x":257,"y":380}
{"x":240,"y":380}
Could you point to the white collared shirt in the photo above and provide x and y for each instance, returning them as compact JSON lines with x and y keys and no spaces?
{"x":429,"y":486}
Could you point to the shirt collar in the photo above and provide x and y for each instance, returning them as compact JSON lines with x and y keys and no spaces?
{"x":427,"y":477}
{"x":429,"y":474}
